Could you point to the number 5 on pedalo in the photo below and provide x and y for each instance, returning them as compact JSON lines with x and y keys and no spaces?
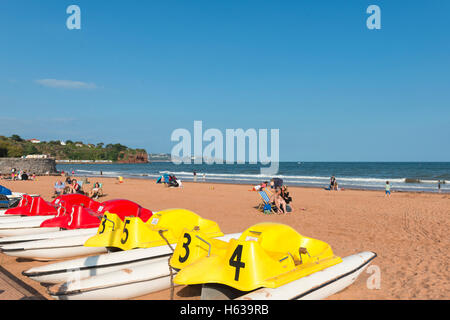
{"x":74,"y":20}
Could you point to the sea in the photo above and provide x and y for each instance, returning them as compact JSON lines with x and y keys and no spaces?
{"x":403,"y":176}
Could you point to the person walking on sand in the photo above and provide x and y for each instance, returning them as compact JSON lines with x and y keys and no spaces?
{"x":387,"y":189}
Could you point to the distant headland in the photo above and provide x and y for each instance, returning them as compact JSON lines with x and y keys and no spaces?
{"x":61,"y":151}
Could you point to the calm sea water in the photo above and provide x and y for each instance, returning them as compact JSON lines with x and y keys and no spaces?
{"x":403,"y":176}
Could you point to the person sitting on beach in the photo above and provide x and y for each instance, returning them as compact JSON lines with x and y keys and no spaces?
{"x":95,"y":191}
{"x":59,"y":188}
{"x":332,"y":183}
{"x":75,"y":187}
{"x":287,"y":199}
{"x":278,"y":201}
{"x":173,"y":182}
{"x":387,"y":189}
{"x":68,"y":180}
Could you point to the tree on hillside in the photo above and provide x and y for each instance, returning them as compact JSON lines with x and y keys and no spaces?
{"x":30,"y":149}
{"x":16,"y":138}
{"x":15,"y":151}
{"x":3,"y":149}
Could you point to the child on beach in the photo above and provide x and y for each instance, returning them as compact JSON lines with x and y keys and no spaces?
{"x":387,"y":189}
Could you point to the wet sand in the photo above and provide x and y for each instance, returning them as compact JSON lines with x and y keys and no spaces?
{"x":409,"y":231}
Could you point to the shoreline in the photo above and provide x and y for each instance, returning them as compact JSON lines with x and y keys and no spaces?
{"x":200,"y":180}
{"x":359,"y":176}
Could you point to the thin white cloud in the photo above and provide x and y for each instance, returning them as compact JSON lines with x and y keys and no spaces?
{"x":66,"y":84}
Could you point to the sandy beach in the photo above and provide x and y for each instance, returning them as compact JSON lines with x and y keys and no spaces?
{"x":409,"y":231}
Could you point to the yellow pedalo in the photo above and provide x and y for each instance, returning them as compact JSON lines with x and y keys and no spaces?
{"x":163,"y":225}
{"x":108,"y":229}
{"x":266,"y":255}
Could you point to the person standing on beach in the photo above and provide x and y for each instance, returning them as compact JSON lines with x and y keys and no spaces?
{"x":387,"y":189}
{"x":439,"y":186}
{"x":195,"y":176}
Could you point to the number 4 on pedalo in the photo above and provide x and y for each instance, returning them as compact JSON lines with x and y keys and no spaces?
{"x":74,"y":20}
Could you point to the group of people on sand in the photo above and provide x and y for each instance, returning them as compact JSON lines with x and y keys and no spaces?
{"x":71,"y":185}
{"x":282,"y":200}
{"x":21,"y":175}
{"x":170,"y":180}
{"x":279,"y":198}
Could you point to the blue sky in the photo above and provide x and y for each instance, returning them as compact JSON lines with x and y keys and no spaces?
{"x":137,"y":70}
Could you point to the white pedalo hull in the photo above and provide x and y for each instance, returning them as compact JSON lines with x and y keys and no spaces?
{"x":318,"y":285}
{"x":47,"y":235}
{"x":52,"y":249}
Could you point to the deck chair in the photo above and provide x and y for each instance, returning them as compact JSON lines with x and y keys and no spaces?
{"x":265,"y":197}
{"x":81,"y":183}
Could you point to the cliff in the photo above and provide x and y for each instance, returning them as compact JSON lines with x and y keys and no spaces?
{"x":132,"y":157}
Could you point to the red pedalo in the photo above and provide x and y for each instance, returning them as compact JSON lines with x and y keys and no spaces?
{"x":74,"y":207}
{"x":89,"y":216}
{"x":33,"y":206}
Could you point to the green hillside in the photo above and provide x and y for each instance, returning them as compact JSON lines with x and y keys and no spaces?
{"x":15,"y":147}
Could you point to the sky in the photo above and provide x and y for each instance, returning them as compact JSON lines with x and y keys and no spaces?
{"x":138,"y":70}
